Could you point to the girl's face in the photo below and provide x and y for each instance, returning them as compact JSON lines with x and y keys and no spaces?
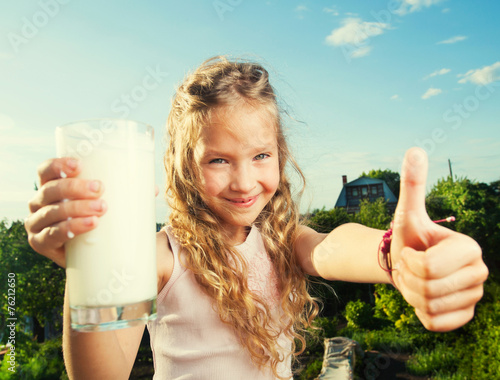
{"x":238,"y":155}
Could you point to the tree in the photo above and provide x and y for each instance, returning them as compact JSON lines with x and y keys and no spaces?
{"x":373,"y":214}
{"x":392,"y":179}
{"x":39,"y":283}
{"x":324,"y":221}
{"x":476,"y":207}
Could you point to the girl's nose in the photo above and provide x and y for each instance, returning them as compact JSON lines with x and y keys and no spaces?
{"x":243,"y":179}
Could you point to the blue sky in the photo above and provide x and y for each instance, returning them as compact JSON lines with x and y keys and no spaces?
{"x":362,"y":80}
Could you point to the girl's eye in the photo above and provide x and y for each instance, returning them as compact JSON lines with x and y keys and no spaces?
{"x":261,"y":156}
{"x":217,"y":161}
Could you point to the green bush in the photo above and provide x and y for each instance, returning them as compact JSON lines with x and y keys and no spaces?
{"x":431,"y":361}
{"x":36,"y":361}
{"x":359,"y":314}
{"x":312,"y":370}
{"x":390,"y":305}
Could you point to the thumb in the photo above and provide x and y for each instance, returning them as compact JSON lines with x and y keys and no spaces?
{"x":413,"y":180}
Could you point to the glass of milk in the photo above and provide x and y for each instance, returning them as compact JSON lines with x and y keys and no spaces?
{"x":111,"y":270}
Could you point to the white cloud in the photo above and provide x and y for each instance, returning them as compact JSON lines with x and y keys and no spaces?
{"x":484,"y":75}
{"x":395,"y":97}
{"x":355,"y":31}
{"x":437,"y":72}
{"x":332,"y":10}
{"x":410,"y":6}
{"x":431,"y":92}
{"x":300,"y":10}
{"x":453,"y":40}
{"x":446,"y":10}
{"x":360,"y":52}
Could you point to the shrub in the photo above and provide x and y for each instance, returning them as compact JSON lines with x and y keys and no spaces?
{"x":359,"y":314}
{"x":431,"y":361}
{"x":37,"y":361}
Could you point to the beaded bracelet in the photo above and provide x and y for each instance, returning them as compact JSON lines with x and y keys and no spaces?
{"x":385,"y":248}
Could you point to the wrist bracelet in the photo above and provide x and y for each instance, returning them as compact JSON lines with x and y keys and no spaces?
{"x":384,"y":247}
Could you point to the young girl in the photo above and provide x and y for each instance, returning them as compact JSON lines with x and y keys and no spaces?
{"x":234,"y":260}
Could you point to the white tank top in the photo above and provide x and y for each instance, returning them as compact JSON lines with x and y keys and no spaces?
{"x":188,"y":339}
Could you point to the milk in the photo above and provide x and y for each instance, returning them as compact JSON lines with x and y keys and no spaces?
{"x":115,"y":264}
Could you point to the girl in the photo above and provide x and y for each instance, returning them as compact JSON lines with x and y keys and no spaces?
{"x":233,"y":261}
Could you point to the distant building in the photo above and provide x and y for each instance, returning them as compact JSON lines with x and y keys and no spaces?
{"x":364,"y":188}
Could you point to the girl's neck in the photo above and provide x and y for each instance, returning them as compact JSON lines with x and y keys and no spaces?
{"x":236,"y":235}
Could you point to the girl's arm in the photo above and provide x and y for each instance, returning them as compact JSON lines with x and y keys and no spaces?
{"x":64,"y":203}
{"x":348,"y":253}
{"x":99,"y":355}
{"x":110,"y":354}
{"x":438,"y":271}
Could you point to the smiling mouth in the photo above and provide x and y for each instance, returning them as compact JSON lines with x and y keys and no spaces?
{"x":242,"y":202}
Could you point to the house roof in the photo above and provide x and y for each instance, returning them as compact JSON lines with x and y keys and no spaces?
{"x":364,"y":181}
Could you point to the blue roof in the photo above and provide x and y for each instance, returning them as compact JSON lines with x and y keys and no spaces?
{"x":364,"y":181}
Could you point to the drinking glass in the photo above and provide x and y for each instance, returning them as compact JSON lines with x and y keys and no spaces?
{"x":111,"y":270}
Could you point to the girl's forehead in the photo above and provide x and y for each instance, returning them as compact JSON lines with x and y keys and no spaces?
{"x":244,"y":122}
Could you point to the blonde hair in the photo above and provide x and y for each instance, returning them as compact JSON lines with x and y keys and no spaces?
{"x":219,"y":82}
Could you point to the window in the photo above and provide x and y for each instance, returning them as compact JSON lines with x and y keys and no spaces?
{"x":364,"y":191}
{"x":355,"y":192}
{"x":374,"y":190}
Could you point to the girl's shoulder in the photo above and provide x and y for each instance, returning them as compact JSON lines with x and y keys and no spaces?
{"x":164,"y":258}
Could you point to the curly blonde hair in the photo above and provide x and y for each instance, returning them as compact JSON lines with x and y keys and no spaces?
{"x":219,"y":82}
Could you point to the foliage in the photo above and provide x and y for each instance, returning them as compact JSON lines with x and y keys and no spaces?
{"x":312,"y":370}
{"x":324,"y":221}
{"x":389,"y":324}
{"x":476,"y":207}
{"x":373,"y":214}
{"x":390,"y":305}
{"x":431,"y":360}
{"x":376,"y":316}
{"x":39,"y":283}
{"x":392,"y":179}
{"x":481,"y":359}
{"x":359,"y":314}
{"x":36,"y":361}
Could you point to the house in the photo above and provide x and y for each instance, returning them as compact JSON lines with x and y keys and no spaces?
{"x":364,"y":188}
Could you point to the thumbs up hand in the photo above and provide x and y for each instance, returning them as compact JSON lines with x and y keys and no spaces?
{"x":440,"y":272}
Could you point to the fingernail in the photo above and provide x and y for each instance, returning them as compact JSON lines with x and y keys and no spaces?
{"x":72,"y":163}
{"x":90,"y":220}
{"x":94,"y":186}
{"x":63,"y":174}
{"x":70,"y":234}
{"x":97,"y":205}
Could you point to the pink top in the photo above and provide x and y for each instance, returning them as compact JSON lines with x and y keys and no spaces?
{"x":188,"y":339}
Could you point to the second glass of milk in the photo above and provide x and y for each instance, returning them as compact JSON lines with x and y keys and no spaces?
{"x":111,"y":270}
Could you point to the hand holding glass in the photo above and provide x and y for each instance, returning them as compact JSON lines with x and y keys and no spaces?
{"x":111,"y":270}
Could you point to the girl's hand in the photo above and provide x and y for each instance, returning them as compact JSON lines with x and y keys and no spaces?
{"x":438,"y":271}
{"x":62,"y":208}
